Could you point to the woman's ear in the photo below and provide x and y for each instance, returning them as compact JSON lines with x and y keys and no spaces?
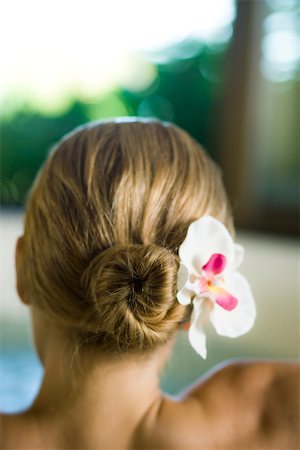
{"x":20,"y":270}
{"x":185,"y":326}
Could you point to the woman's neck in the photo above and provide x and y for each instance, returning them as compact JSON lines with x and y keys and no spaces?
{"x":94,"y":385}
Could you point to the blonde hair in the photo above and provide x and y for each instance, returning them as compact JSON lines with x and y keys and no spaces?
{"x":103,"y":224}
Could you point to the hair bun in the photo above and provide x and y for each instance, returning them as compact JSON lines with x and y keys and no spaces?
{"x":132,"y":289}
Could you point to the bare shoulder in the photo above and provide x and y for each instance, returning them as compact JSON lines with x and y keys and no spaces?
{"x":257,"y":404}
{"x":248,"y":378}
{"x":248,"y":405}
{"x":16,"y":431}
{"x":7,"y":425}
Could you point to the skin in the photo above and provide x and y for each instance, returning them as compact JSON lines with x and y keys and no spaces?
{"x":92,"y":400}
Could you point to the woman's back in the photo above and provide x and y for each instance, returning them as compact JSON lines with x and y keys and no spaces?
{"x":129,"y":237}
{"x":241,"y":406}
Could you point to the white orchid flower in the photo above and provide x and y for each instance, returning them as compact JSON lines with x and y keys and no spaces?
{"x":207,"y":278}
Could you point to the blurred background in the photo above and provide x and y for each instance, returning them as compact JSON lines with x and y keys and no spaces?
{"x":228,"y":72}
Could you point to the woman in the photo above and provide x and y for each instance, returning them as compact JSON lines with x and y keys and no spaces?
{"x":104,"y":267}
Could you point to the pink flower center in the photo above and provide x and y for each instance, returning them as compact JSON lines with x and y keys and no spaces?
{"x":211,"y":282}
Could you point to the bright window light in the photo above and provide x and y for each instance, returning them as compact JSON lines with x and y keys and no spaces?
{"x":60,"y":49}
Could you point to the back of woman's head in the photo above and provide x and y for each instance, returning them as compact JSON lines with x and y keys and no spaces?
{"x":103,"y":224}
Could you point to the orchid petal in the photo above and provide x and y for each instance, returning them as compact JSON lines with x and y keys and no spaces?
{"x":183,"y":293}
{"x":184,"y":296}
{"x":205,"y":237}
{"x":239,"y":253}
{"x":241,"y":319}
{"x":224,"y":298}
{"x":182,"y":276}
{"x":216,"y":264}
{"x":196,"y":334}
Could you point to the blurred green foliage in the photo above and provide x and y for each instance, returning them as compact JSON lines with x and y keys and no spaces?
{"x":186,"y":91}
